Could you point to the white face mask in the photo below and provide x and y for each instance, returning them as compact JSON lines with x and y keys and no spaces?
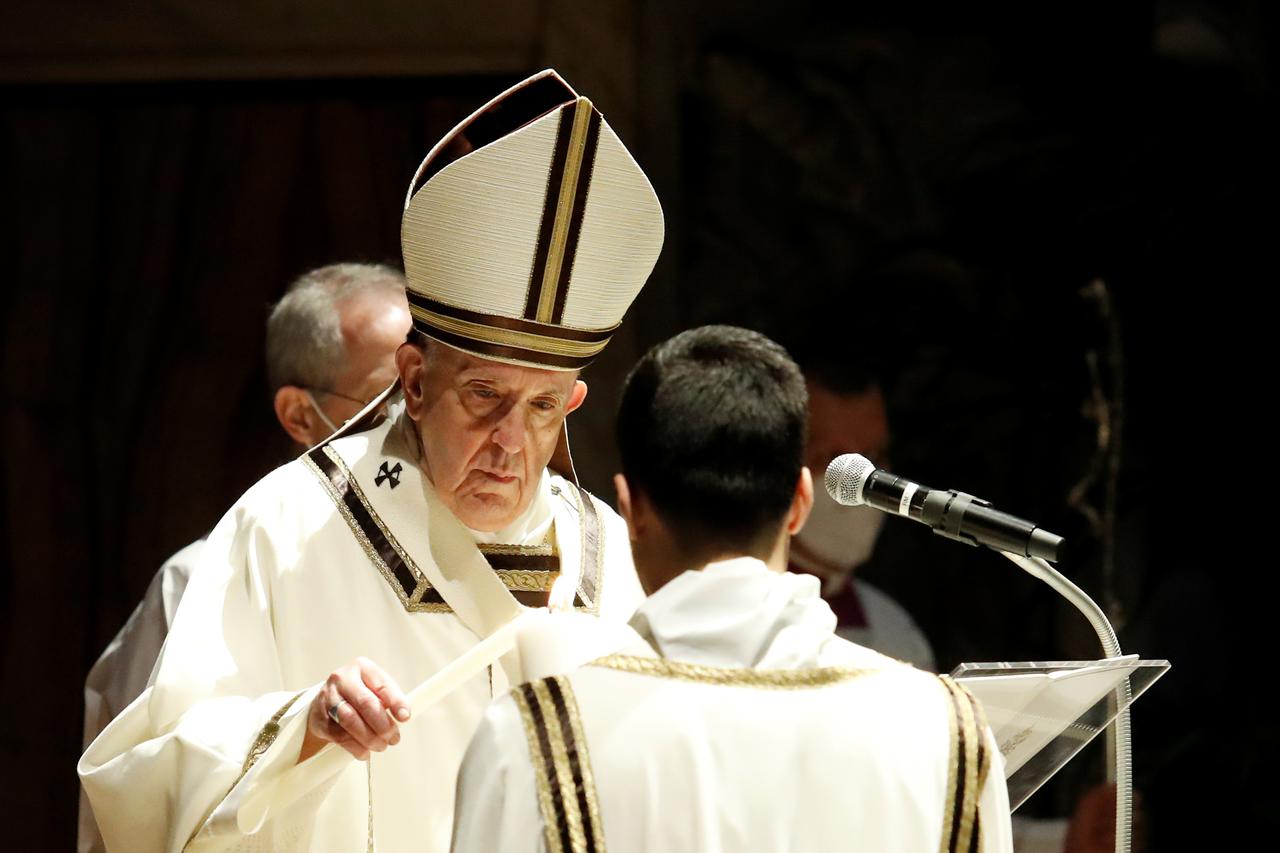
{"x":320,"y":412}
{"x":842,"y":537}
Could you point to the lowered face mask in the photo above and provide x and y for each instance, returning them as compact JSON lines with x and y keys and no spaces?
{"x":842,"y":537}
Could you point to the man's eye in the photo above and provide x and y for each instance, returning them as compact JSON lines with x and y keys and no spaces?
{"x":484,"y":393}
{"x":544,"y":405}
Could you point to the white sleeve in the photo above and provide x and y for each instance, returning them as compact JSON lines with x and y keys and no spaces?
{"x":216,"y":716}
{"x":124,"y":668}
{"x":496,"y":807}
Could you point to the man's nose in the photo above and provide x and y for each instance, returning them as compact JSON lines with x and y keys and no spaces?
{"x":509,"y":432}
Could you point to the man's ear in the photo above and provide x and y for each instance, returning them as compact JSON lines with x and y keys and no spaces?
{"x":576,"y":398}
{"x":624,"y":497}
{"x":411,"y":364}
{"x":295,"y":414}
{"x":801,"y":502}
{"x":626,"y":508}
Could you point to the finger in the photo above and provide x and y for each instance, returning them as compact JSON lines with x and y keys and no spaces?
{"x":371,"y":711}
{"x":323,"y":719}
{"x":322,"y":727}
{"x":333,"y":700}
{"x":351,"y":745}
{"x":350,"y":721}
{"x":356,"y":750}
{"x":352,"y":729}
{"x":335,"y":733}
{"x":385,"y":688}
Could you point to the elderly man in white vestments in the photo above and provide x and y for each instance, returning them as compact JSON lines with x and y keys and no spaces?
{"x":363,"y":568}
{"x":737,"y":719}
{"x":331,"y":344}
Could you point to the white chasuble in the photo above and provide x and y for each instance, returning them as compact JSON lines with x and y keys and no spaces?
{"x":342,"y":553}
{"x":736,"y":721}
{"x":124,"y":668}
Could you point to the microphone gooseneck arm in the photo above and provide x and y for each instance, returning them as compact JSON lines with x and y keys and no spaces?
{"x":1120,"y":769}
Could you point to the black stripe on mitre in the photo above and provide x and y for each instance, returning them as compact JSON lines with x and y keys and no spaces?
{"x":525,"y":102}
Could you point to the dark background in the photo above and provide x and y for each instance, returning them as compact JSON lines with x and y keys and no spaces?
{"x":929,"y":188}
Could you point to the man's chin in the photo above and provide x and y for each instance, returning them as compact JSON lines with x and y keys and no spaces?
{"x":486,"y":512}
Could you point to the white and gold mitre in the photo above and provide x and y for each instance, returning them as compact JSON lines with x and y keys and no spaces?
{"x":529,"y":229}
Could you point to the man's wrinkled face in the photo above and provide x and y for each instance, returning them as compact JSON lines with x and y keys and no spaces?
{"x":488,"y":429}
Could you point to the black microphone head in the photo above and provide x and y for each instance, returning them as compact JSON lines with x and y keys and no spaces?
{"x":846,"y":475}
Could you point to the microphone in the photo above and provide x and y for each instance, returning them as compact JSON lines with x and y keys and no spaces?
{"x":852,"y":480}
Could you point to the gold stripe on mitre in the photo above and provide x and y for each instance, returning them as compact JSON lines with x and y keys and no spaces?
{"x":529,"y":231}
{"x":564,"y":209}
{"x":508,"y":337}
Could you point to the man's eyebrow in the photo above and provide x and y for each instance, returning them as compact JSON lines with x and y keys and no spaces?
{"x":554,"y":391}
{"x":480,"y":374}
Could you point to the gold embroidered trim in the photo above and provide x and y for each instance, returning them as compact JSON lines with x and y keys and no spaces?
{"x":412,"y":602}
{"x":564,"y":773}
{"x":564,"y":209}
{"x":546,"y":803}
{"x":546,"y":549}
{"x":409,"y":601}
{"x":509,"y":337}
{"x":584,"y":762}
{"x":966,"y":740}
{"x":522,"y":580}
{"x":430,"y":607}
{"x":953,"y":762}
{"x":769,"y":679}
{"x":556,"y":745}
{"x":969,"y":805}
{"x":266,"y":736}
{"x":408,"y":561}
{"x":591,"y":605}
{"x":984,"y":760}
{"x":582,"y":543}
{"x":518,"y":580}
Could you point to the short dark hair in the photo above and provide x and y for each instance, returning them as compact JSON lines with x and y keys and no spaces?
{"x":712,"y":428}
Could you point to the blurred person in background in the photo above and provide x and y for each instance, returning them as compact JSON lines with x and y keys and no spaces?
{"x":848,"y":414}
